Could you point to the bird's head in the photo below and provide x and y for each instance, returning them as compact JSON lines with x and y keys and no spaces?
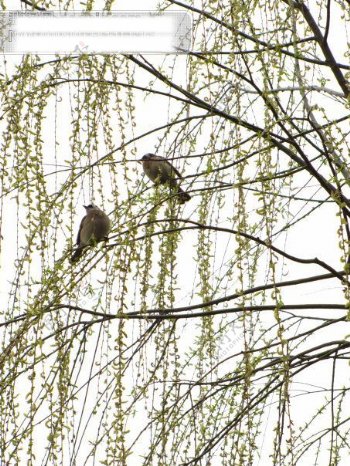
{"x":90,"y":207}
{"x":146,"y":157}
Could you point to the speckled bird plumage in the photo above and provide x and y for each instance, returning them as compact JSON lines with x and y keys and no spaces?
{"x":94,"y":227}
{"x":161,"y":171}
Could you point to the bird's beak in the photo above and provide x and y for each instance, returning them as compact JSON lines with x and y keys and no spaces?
{"x":85,"y":206}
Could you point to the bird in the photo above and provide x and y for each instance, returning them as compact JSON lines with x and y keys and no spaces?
{"x":94,"y":227}
{"x":161,"y":171}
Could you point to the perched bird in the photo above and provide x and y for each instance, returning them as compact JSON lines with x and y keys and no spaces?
{"x":94,"y":227}
{"x":160,"y":171}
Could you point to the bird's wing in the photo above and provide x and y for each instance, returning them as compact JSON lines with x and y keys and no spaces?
{"x":177,"y":173}
{"x":88,"y":228}
{"x":80,"y":228}
{"x":163,"y":159}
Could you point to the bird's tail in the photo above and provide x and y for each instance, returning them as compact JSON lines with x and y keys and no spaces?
{"x":77,"y":255}
{"x":182,"y":196}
